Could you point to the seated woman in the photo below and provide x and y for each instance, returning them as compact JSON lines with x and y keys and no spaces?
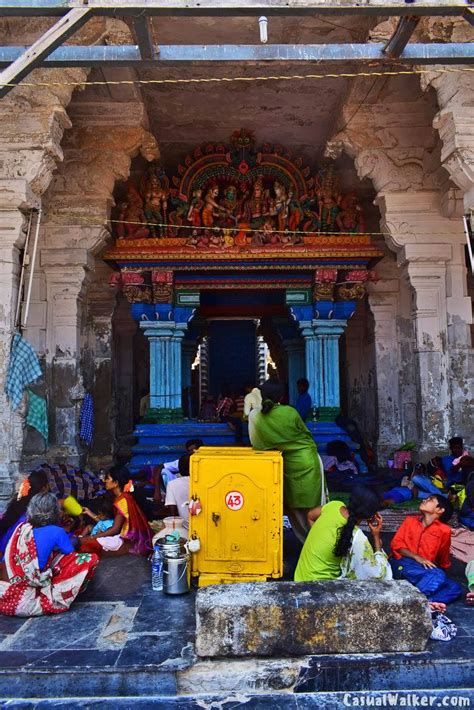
{"x":130,"y":532}
{"x":42,"y":574}
{"x":336,"y":547}
{"x":37,"y":482}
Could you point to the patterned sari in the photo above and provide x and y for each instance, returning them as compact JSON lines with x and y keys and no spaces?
{"x":33,"y":592}
{"x":135,"y":528}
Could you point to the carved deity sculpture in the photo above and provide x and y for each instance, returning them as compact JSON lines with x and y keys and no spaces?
{"x":255,"y":208}
{"x":156,"y":206}
{"x":130,"y":217}
{"x":281,"y":205}
{"x":328,"y":210}
{"x":194,"y":212}
{"x":350,"y":219}
{"x":229,"y":205}
{"x":211,"y":210}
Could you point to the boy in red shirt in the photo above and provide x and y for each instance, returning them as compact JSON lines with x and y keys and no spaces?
{"x":420,"y":550}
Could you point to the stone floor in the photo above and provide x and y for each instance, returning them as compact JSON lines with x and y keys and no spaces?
{"x":123,"y":644}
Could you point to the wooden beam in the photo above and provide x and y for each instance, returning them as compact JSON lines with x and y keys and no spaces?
{"x":400,"y":38}
{"x":47,"y":43}
{"x":142,"y":31}
{"x":469,"y":15}
{"x":23,"y":8}
{"x":129,"y":55}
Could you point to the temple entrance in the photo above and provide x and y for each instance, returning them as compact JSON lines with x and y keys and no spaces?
{"x":244,"y":249}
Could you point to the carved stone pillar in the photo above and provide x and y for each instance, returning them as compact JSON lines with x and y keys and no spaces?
{"x":322,"y":364}
{"x":455,"y":124}
{"x":165,"y":369}
{"x":12,"y":225}
{"x":384,"y":307}
{"x":427,"y":279}
{"x":65,"y":271}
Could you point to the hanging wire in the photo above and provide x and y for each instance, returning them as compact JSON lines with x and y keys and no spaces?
{"x":232,"y":79}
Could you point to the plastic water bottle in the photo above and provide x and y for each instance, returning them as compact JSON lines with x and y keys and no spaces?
{"x":157,"y":570}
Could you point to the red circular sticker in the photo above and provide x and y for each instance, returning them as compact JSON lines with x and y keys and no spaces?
{"x":234,"y":500}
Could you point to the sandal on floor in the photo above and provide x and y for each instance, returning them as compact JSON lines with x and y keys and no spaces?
{"x":443,"y":628}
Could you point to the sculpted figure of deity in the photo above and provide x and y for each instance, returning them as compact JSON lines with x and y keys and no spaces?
{"x":131,"y":218}
{"x":311,"y":213}
{"x":211,"y":209}
{"x":294,"y":211}
{"x":328,"y":211}
{"x":194,"y":212}
{"x":281,"y":205}
{"x":229,"y":205}
{"x":156,"y":206}
{"x":256,"y":207}
{"x":350,"y":219}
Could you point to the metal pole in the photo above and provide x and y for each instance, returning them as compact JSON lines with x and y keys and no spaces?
{"x":32,"y":269}
{"x":24,"y":262}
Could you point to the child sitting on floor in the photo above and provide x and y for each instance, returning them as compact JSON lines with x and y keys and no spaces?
{"x":103,"y":516}
{"x":420,"y":550}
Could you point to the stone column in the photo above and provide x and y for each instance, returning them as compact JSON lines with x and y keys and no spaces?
{"x":64,"y":271}
{"x":165,"y":369}
{"x":425,"y":267}
{"x":12,"y":225}
{"x":322,"y":364}
{"x":295,"y":349}
{"x":384,"y":307}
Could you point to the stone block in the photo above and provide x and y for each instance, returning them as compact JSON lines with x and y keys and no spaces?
{"x":294,"y":619}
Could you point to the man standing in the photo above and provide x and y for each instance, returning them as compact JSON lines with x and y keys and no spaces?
{"x":304,"y":402}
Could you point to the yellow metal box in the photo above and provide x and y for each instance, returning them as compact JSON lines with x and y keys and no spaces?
{"x":240,"y":526}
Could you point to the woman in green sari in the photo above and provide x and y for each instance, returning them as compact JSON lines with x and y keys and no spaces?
{"x":280,"y":427}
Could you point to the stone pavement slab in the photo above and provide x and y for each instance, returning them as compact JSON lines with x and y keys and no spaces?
{"x":123,"y":645}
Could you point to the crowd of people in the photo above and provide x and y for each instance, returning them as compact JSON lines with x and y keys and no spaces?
{"x":48,"y":555}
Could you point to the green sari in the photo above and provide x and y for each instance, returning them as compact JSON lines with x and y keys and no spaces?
{"x":282,"y":429}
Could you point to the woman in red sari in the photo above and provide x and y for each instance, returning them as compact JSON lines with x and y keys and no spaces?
{"x":41,"y":573}
{"x":130,"y":532}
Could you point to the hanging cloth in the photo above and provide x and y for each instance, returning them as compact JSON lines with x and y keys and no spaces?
{"x":23,"y":369}
{"x":37,"y":416}
{"x":86,"y":431}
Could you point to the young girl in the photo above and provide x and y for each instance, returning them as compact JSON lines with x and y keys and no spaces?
{"x":336,"y":547}
{"x":130,"y":532}
{"x":42,"y":574}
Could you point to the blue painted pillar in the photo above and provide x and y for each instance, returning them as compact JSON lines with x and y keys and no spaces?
{"x":321,"y":338}
{"x":165,"y":369}
{"x":327,"y":334}
{"x":295,"y":349}
{"x":313,"y":363}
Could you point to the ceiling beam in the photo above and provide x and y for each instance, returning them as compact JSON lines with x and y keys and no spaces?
{"x":142,"y":32}
{"x":23,"y":8}
{"x":32,"y":57}
{"x":469,"y":15}
{"x":400,"y":38}
{"x":129,"y":55}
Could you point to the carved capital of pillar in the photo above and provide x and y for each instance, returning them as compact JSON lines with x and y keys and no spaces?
{"x":64,"y":284}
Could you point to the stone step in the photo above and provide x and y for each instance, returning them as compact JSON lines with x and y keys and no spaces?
{"x":158,"y":443}
{"x":425,"y":697}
